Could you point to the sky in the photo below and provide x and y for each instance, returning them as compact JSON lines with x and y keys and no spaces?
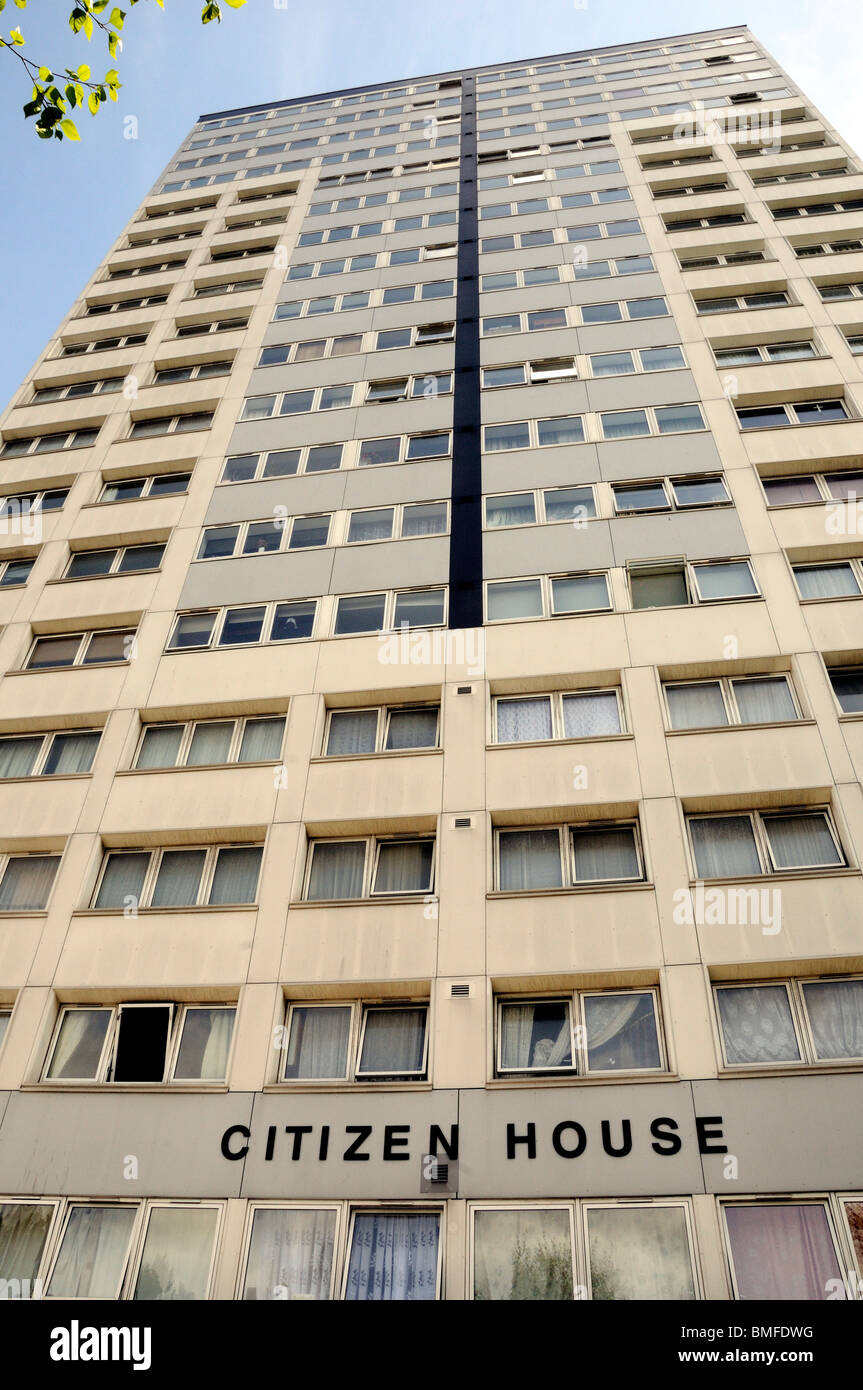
{"x":62,"y":204}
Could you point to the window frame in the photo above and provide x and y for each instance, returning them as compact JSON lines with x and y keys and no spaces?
{"x":189,"y":727}
{"x":371,"y":859}
{"x":220,"y":616}
{"x":48,"y":736}
{"x":151,"y":873}
{"x":575,"y":1002}
{"x":566,"y":846}
{"x":761,"y":840}
{"x":729,"y":699}
{"x":558,"y":728}
{"x":383,"y":712}
{"x":85,"y":640}
{"x":179,"y":1010}
{"x":799,"y":1015}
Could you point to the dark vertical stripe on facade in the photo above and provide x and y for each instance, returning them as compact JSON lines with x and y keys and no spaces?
{"x":465,"y":554}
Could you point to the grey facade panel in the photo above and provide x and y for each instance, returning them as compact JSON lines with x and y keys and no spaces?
{"x":552,"y":467}
{"x":658,"y":456}
{"x":698,"y":535}
{"x":257,"y":579}
{"x":546,"y":549}
{"x":390,"y":565}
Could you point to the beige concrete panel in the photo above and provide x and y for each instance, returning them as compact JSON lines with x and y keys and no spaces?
{"x":190,"y":799}
{"x":191,"y":678}
{"x":463,"y":735}
{"x":386,"y":785}
{"x":818,"y":917}
{"x":458,"y":1031}
{"x":462,"y":882}
{"x":701,"y":633}
{"x":584,"y":930}
{"x":687,"y":1003}
{"x":589,"y":771}
{"x":281,"y":872}
{"x":732,"y":760}
{"x":201,"y":946}
{"x":572,"y":644}
{"x":366,"y":941}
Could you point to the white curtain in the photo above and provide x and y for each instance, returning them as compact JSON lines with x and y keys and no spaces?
{"x":696,"y":706}
{"x":639,"y":1253}
{"x":517,"y":509}
{"x":79,"y":1044}
{"x":93,"y":1253}
{"x":412,"y":728}
{"x":178,"y":878}
{"x":621,"y":1032}
{"x":801,"y":840}
{"x":236,"y":876}
{"x":835,"y":1009}
{"x":523,"y":720}
{"x":210,"y":743}
{"x":352,"y":731}
{"x":764,"y":701}
{"x":536,"y":1036}
{"x":262,"y":740}
{"x":529,"y":859}
{"x":394,"y":1255}
{"x":404,"y":867}
{"x":123,"y":877}
{"x":17,"y":755}
{"x":567,"y":430}
{"x":624,"y":424}
{"x":337,"y":869}
{"x":782,"y":1252}
{"x":27,"y":883}
{"x":567,"y":503}
{"x":724,"y":846}
{"x":604,"y":854}
{"x":205,"y":1044}
{"x":23,"y":1228}
{"x":160,"y":746}
{"x":427,"y":519}
{"x":175,"y":1263}
{"x":372,"y":526}
{"x":586,"y":716}
{"x":71,"y":753}
{"x":522,"y":1254}
{"x":826,"y":581}
{"x":290,"y":1254}
{"x":318,"y":1044}
{"x":393,"y":1041}
{"x":757,"y":1025}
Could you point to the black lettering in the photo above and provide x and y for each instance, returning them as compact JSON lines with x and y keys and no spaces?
{"x":227,"y":1151}
{"x":271,"y":1143}
{"x":512,"y":1139}
{"x":706,"y":1129}
{"x":350,"y":1154}
{"x":449,"y":1146}
{"x":297,"y":1131}
{"x":557,"y":1135}
{"x":325,"y":1142}
{"x":626,"y":1139}
{"x":668,"y":1143}
{"x":395,"y":1136}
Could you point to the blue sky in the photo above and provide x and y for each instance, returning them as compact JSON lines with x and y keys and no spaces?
{"x":63,"y":204}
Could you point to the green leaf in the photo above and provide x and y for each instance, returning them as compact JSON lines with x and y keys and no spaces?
{"x":114,"y":45}
{"x":76,"y":19}
{"x":31,"y":107}
{"x":68,"y":129}
{"x":83,"y":73}
{"x":93,"y":102}
{"x":71,"y":95}
{"x":97,"y":6}
{"x":116,"y":17}
{"x":211,"y":12}
{"x":42,"y":133}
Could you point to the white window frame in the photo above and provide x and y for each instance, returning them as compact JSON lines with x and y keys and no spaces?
{"x":119,"y":553}
{"x":391,"y":597}
{"x":220,"y":617}
{"x":398,"y":510}
{"x":173,"y":424}
{"x":108,"y":1056}
{"x":539,"y":506}
{"x":372,"y":847}
{"x":556,"y":699}
{"x":685,"y":1204}
{"x":728,"y":696}
{"x":566,"y":847}
{"x":791,"y":415}
{"x":383,"y":725}
{"x":146,"y":491}
{"x":253,"y":1207}
{"x":283,"y":524}
{"x":688,"y":569}
{"x":403,"y":1209}
{"x":190,"y":726}
{"x":853,"y":563}
{"x":823,"y":1200}
{"x":758,"y":821}
{"x":205,"y":881}
{"x":574,"y":1000}
{"x":67,"y":438}
{"x":84,"y":641}
{"x":45,"y":751}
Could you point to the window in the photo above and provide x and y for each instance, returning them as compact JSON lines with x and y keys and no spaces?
{"x":393,"y":1255}
{"x":48,"y":755}
{"x":584,"y":1033}
{"x":151,"y":1250}
{"x":667,"y":494}
{"x":817,"y":209}
{"x":211,"y":742}
{"x":101,"y":386}
{"x":381,"y":729}
{"x":764,"y":352}
{"x":525,"y":434}
{"x":21,"y":503}
{"x":766,"y":417}
{"x":540,"y":319}
{"x":636,"y":1250}
{"x":782,"y":1250}
{"x":291,"y":1253}
{"x":763,"y":300}
{"x":633,"y":424}
{"x":549,"y":505}
{"x":158,"y":485}
{"x":691,"y":224}
{"x":214,"y":876}
{"x":669,"y":583}
{"x":728,"y":258}
{"x":120,"y":306}
{"x":26,"y":881}
{"x":263,"y":537}
{"x":730,"y":700}
{"x":136,"y":1042}
{"x":358,"y":613}
{"x":834,"y":579}
{"x":15,"y":573}
{"x":356,"y":1042}
{"x":5,"y":1015}
{"x":102,"y":344}
{"x":825,"y":248}
{"x":371,"y":867}
{"x":546,"y":595}
{"x":81,"y":649}
{"x":412,"y":519}
{"x":568,"y":856}
{"x":130,"y":559}
{"x":565,"y":715}
{"x":152,"y":426}
{"x":847,"y":682}
{"x":231,"y":627}
{"x":791,"y":1022}
{"x":761,"y":842}
{"x":227,"y":287}
{"x":196,"y":330}
{"x":48,"y":443}
{"x":166,"y":376}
